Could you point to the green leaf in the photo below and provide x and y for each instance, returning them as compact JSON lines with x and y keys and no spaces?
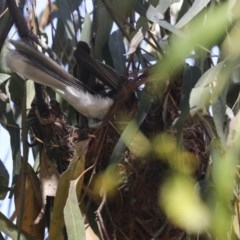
{"x":103,"y":25}
{"x":194,"y":37}
{"x":16,"y":89}
{"x":4,"y":180}
{"x":10,"y":115}
{"x":192,"y":12}
{"x":165,"y":4}
{"x":135,"y":42}
{"x":154,"y":15}
{"x":75,"y":169}
{"x":6,"y":23}
{"x":191,"y":75}
{"x":66,"y":8}
{"x":141,"y":6}
{"x":117,"y":49}
{"x":122,"y":8}
{"x":86,"y":30}
{"x":69,"y":29}
{"x":233,"y":137}
{"x":30,"y":93}
{"x":72,"y":215}
{"x":132,"y":132}
{"x":4,"y":77}
{"x":11,"y":229}
{"x":64,"y":40}
{"x":3,"y":56}
{"x":209,"y":87}
{"x":219,"y":114}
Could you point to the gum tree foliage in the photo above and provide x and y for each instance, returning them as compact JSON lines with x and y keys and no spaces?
{"x":148,"y":43}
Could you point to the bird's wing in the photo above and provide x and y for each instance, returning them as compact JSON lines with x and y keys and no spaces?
{"x":32,"y":64}
{"x":103,"y":72}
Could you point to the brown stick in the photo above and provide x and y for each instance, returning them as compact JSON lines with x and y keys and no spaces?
{"x":18,"y":19}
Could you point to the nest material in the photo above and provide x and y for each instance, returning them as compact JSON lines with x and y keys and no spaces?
{"x":134,"y":212}
{"x":51,"y":129}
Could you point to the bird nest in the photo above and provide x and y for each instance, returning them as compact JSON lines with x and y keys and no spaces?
{"x":132,"y":211}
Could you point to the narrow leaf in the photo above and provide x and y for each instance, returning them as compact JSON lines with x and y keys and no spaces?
{"x":132,"y":132}
{"x":155,"y":16}
{"x":74,"y":170}
{"x":197,"y":7}
{"x":4,"y":179}
{"x":86,"y":30}
{"x":117,"y":49}
{"x":165,"y":4}
{"x":136,"y":40}
{"x":103,"y":25}
{"x":4,"y":77}
{"x":31,"y":207}
{"x":11,"y":230}
{"x":219,"y":114}
{"x":194,"y":37}
{"x":72,"y":215}
{"x":208,"y":88}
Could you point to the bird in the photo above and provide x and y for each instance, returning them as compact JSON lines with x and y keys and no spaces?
{"x":28,"y":62}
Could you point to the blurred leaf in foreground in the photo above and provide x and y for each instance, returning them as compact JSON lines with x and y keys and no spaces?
{"x":194,"y":36}
{"x":183,"y":205}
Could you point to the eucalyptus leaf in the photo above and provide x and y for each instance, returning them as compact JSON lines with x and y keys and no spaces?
{"x":69,"y":30}
{"x":209,"y":87}
{"x":16,"y":88}
{"x":86,"y":30}
{"x":132,"y":129}
{"x":165,"y":4}
{"x":141,"y":6}
{"x":11,"y":229}
{"x":142,"y":22}
{"x":194,"y":37}
{"x":66,"y":8}
{"x":191,"y":75}
{"x":75,"y":169}
{"x":72,"y":215}
{"x":6,"y":23}
{"x":154,"y":15}
{"x":122,"y":8}
{"x":4,"y":180}
{"x":136,"y":40}
{"x":30,"y":93}
{"x":103,"y":25}
{"x":219,"y":115}
{"x":10,"y":115}
{"x":64,"y":40}
{"x":233,"y":136}
{"x":196,"y":8}
{"x":4,"y":77}
{"x":182,"y":10}
{"x":2,"y":5}
{"x":117,"y":49}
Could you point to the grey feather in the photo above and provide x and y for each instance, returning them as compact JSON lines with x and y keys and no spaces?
{"x":32,"y":64}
